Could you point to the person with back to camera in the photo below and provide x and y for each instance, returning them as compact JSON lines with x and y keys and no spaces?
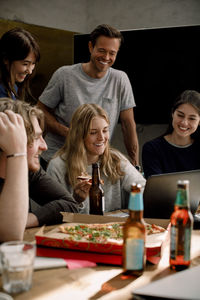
{"x":179,"y":148}
{"x":94,"y":81}
{"x":88,"y":142}
{"x":19,"y":53}
{"x":47,"y":198}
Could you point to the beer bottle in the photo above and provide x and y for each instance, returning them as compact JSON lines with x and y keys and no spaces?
{"x":181,"y":228}
{"x":134,"y":232}
{"x":96,"y":193}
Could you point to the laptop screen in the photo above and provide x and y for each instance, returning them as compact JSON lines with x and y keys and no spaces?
{"x":160,"y":193}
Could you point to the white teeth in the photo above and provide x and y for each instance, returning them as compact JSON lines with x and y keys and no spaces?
{"x":183,"y":128}
{"x":103,"y":63}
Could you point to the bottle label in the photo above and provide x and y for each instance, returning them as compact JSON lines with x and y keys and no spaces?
{"x":134,"y":254}
{"x":180,"y":244}
{"x":173,"y":236}
{"x":135,"y":201}
{"x":187,"y":244}
{"x":103,"y":203}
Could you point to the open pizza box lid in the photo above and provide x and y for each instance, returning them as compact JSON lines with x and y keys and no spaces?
{"x":56,"y":239}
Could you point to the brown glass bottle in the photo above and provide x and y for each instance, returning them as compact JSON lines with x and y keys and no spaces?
{"x":96,"y":194}
{"x":181,"y":228}
{"x":134,"y":232}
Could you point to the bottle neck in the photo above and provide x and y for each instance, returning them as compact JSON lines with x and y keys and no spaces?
{"x":135,"y":202}
{"x":182,"y":198}
{"x":95,"y":176}
{"x":136,"y":215}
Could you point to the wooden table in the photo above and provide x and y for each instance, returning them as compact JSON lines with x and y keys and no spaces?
{"x":101,"y":282}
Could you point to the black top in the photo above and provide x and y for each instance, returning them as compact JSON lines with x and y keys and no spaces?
{"x":47,"y":198}
{"x":159,"y":156}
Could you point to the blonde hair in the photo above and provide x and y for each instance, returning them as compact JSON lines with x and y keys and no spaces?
{"x":27,"y":112}
{"x":74,"y":152}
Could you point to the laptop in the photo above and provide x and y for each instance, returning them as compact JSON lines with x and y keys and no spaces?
{"x":182,"y":285}
{"x":160,"y":193}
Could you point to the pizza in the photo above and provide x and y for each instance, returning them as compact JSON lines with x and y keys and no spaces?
{"x":86,"y":177}
{"x":96,"y":233}
{"x":153,"y":228}
{"x":101,"y":233}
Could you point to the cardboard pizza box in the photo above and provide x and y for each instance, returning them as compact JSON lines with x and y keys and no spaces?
{"x":93,"y":219}
{"x":56,"y":239}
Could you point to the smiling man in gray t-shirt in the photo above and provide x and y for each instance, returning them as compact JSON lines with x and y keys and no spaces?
{"x":91,"y":82}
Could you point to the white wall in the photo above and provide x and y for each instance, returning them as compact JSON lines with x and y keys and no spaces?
{"x":131,"y":14}
{"x":61,"y":14}
{"x":84,"y":15}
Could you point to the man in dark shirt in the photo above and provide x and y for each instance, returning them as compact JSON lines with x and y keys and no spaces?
{"x":47,"y":198}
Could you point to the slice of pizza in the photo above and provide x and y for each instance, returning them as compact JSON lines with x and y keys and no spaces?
{"x":153,"y":228}
{"x":87,"y":177}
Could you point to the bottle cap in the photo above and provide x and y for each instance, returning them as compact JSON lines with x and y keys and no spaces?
{"x":185,"y":181}
{"x":136,"y":187}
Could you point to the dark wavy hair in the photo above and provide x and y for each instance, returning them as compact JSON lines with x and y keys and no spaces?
{"x":16,"y":44}
{"x":105,"y":30}
{"x":187,"y":97}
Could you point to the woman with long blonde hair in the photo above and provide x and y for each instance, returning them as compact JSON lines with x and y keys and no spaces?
{"x":87,"y":143}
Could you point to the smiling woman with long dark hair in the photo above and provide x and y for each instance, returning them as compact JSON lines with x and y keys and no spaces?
{"x":19,"y":53}
{"x":178,"y":149}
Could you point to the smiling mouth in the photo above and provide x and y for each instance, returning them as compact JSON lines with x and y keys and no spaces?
{"x":105,"y":63}
{"x":183,"y":128}
{"x":22,"y":75}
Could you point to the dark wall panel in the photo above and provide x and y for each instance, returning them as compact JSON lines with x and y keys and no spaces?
{"x":160,"y":63}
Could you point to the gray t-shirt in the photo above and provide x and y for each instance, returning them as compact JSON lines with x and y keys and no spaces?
{"x":115,"y":195}
{"x":70,"y":87}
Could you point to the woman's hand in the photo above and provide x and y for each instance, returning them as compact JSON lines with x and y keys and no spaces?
{"x":81,"y":190}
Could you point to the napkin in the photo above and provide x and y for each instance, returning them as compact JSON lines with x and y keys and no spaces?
{"x":48,"y":263}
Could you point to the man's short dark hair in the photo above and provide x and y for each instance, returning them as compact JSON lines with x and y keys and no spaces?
{"x":105,"y":30}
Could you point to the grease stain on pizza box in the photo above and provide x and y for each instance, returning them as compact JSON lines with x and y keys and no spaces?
{"x":55,"y":238}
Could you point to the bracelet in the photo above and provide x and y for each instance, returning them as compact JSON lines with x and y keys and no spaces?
{"x":16,"y":154}
{"x":138,"y":168}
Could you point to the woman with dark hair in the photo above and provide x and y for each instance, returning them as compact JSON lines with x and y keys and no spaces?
{"x":19,"y":53}
{"x":87,"y":143}
{"x":178,"y":149}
